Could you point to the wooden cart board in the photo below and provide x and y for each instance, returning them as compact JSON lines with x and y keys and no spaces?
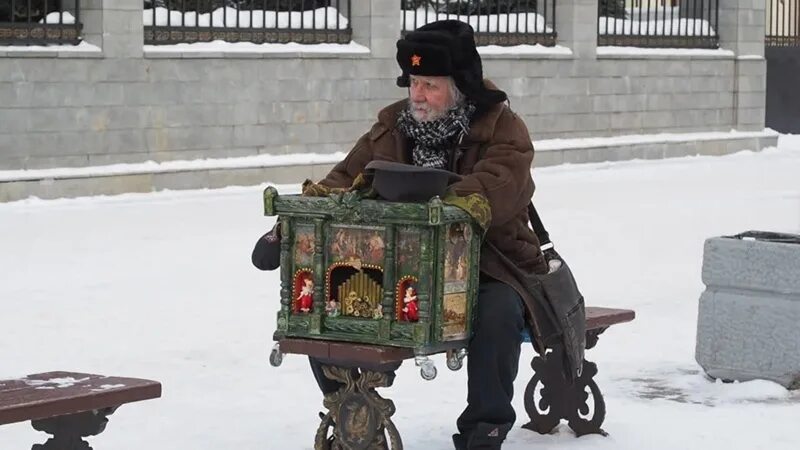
{"x":376,"y":272}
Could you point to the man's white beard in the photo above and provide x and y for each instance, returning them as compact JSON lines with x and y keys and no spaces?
{"x":427,"y":114}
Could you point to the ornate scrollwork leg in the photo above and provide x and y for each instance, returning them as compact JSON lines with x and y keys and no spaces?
{"x":358,"y":418}
{"x":558,"y":399}
{"x":68,"y":431}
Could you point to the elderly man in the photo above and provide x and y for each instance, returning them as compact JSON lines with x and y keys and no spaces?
{"x":454,"y":119}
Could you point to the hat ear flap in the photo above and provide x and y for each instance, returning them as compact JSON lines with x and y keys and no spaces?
{"x":403,"y":80}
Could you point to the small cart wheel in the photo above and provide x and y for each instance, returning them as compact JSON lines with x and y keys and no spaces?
{"x":454,"y":362}
{"x":428,"y":372}
{"x":276,"y":357}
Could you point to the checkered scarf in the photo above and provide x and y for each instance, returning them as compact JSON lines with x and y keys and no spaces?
{"x":433,"y":140}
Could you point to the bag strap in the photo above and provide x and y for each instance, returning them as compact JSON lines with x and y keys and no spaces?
{"x":538,"y":227}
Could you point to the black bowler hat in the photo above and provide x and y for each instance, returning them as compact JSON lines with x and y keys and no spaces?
{"x":398,"y":182}
{"x":446,"y":48}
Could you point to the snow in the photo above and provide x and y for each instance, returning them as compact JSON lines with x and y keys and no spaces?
{"x":267,"y":160}
{"x":320,"y":18}
{"x":528,"y":22}
{"x":106,"y":387}
{"x":59,"y":18}
{"x":160,"y":286}
{"x":54,"y":383}
{"x":639,"y":139}
{"x":652,"y":21}
{"x":611,"y":50}
{"x":83,"y":47}
{"x":524,"y":49}
{"x":249,"y":47}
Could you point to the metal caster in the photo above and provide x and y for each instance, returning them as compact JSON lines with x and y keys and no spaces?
{"x":426,"y":368}
{"x":428,"y":373}
{"x":455,"y":359}
{"x":275,"y":356}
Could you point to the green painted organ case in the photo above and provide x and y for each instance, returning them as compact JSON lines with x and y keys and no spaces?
{"x":376,"y":272}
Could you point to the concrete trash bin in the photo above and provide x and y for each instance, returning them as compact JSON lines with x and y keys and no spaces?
{"x":748,"y":326}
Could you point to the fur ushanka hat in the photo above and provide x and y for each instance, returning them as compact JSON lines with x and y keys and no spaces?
{"x":446,"y":48}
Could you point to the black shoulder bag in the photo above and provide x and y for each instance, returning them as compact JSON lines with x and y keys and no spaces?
{"x":558,"y":304}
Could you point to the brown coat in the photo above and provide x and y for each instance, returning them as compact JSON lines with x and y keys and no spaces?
{"x":496,"y":162}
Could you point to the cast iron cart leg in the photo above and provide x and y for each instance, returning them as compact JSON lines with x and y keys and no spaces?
{"x":359,"y":418}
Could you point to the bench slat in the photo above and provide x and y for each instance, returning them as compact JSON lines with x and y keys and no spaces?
{"x":599,"y":317}
{"x":7,"y":386}
{"x":60,"y":393}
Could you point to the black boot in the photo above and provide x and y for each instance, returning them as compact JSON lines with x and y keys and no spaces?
{"x":488,"y":436}
{"x":460,"y":442}
{"x":485,"y":436}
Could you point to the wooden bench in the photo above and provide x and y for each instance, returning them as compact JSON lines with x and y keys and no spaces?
{"x":361,"y":368}
{"x":69,"y":406}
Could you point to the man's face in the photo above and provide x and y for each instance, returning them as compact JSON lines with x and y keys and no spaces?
{"x":430,"y":97}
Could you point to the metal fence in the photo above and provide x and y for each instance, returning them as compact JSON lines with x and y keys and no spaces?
{"x":40,"y":22}
{"x":658,"y":23}
{"x":783,"y":23}
{"x":256,"y":21}
{"x":496,"y":22}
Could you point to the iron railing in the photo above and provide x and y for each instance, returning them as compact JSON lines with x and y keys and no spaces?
{"x":256,"y":21}
{"x":783,"y":23}
{"x":496,"y":22}
{"x":658,"y":23}
{"x":40,"y":22}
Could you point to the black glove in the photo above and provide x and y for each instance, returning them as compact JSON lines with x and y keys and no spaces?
{"x":267,"y":252}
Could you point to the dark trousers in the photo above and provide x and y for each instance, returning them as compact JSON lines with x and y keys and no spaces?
{"x":492,"y":363}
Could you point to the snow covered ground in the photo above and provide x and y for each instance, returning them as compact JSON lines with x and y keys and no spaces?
{"x":160,"y":286}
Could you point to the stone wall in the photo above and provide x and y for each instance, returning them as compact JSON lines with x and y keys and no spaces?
{"x":126,"y":103}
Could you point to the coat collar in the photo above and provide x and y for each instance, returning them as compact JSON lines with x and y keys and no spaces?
{"x":481,"y":129}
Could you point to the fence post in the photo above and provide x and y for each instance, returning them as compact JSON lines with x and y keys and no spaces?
{"x":123,"y":28}
{"x":376,"y":24}
{"x":742,"y":27}
{"x":576,"y":25}
{"x":92,"y":20}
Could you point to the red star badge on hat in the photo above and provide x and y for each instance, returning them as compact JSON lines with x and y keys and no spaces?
{"x":416,"y":60}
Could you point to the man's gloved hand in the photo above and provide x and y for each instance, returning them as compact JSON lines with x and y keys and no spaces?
{"x":360,"y":183}
{"x":311,"y":189}
{"x":476,"y":205}
{"x":267,"y":251}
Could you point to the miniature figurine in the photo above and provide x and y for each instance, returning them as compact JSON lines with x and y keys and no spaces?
{"x":306,"y":296}
{"x":378,"y":313}
{"x":332,"y":308}
{"x":410,"y":309}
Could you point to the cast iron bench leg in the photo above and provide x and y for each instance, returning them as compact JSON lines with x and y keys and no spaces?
{"x":358,"y":416}
{"x":68,"y":431}
{"x":560,"y":400}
